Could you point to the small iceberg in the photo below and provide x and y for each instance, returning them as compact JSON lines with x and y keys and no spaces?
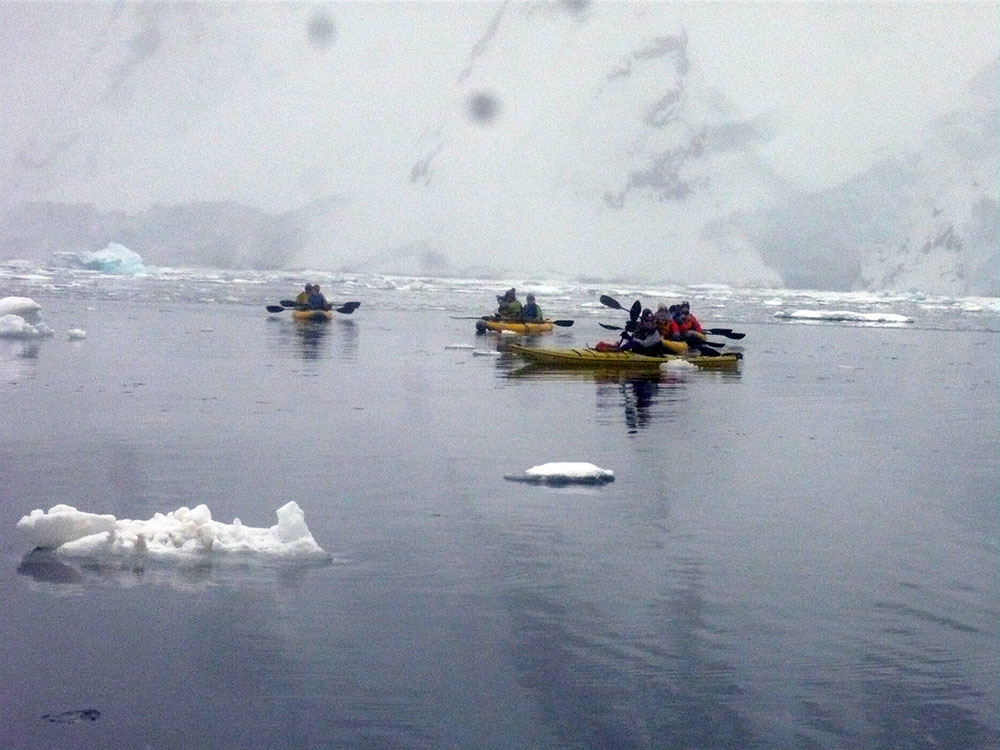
{"x":184,"y":534}
{"x":23,"y":307}
{"x":21,"y":318}
{"x":114,"y":259}
{"x":564,"y":473}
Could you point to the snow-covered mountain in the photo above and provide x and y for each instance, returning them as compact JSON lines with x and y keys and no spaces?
{"x":566,"y":139}
{"x":927,"y":222}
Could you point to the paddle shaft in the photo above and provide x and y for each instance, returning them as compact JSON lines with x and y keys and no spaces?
{"x":346,"y":308}
{"x":562,"y":323}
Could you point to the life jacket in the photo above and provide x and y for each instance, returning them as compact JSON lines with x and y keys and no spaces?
{"x":668,"y":328}
{"x":509,"y":309}
{"x":531,"y":313}
{"x":689,"y":323}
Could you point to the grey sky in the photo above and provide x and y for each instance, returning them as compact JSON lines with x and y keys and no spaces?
{"x":280,"y":104}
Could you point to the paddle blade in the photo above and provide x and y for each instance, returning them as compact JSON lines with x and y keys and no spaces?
{"x":611,"y":302}
{"x":275,"y":308}
{"x":348,"y":307}
{"x":563,"y":323}
{"x":636,"y":309}
{"x":695,"y":339}
{"x":729,"y":333}
{"x":609,"y":326}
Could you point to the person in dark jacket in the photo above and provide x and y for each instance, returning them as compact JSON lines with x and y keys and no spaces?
{"x":531,"y":312}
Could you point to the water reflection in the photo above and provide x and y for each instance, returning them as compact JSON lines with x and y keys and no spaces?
{"x":347,"y":331}
{"x":17,"y":360}
{"x":311,"y":340}
{"x":47,"y":567}
{"x":629,"y":671}
{"x":641,"y":397}
{"x":310,"y":335}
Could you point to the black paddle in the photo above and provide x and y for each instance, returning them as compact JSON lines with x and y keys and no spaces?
{"x":695,"y":343}
{"x":607,"y":301}
{"x":347,"y":308}
{"x":612,"y":302}
{"x":729,"y":333}
{"x":562,"y":323}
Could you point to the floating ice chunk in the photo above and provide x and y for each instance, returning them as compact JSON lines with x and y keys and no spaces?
{"x":178,"y":535}
{"x":77,"y":333}
{"x":63,"y":523}
{"x":485,"y":353}
{"x":843,"y":316}
{"x":20,"y":318}
{"x":24,"y":307}
{"x":116,"y":259}
{"x":677,"y":365}
{"x":113,"y":259}
{"x":16,"y":327}
{"x":564,"y":473}
{"x":459,"y":346}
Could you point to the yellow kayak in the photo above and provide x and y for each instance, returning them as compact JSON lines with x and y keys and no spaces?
{"x":312,"y":315}
{"x":619,"y":360}
{"x":513,"y":326}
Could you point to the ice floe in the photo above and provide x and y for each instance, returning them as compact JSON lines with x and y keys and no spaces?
{"x":182,"y":534}
{"x":842,"y":316}
{"x":21,"y":318}
{"x":114,"y":259}
{"x":564,"y":473}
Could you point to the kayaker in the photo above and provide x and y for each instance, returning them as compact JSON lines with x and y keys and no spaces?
{"x":510,"y":306}
{"x":303,"y":296}
{"x":646,"y":339}
{"x":686,"y":321}
{"x":531,"y":312}
{"x":670,"y":328}
{"x":664,"y":319}
{"x":316,"y":300}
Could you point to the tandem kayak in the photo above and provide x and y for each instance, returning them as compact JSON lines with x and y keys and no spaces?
{"x":312,"y":315}
{"x":513,"y":326}
{"x":618,"y":360}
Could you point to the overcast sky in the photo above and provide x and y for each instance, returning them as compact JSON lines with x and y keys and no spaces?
{"x":841,"y":83}
{"x":275,"y":104}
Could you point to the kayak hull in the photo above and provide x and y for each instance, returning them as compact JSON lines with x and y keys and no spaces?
{"x":513,"y":326}
{"x":618,"y":360}
{"x":312,"y":315}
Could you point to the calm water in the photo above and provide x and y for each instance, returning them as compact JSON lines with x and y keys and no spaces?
{"x":803,"y":554}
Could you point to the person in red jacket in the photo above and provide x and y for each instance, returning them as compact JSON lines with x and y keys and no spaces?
{"x":666,"y":323}
{"x":686,"y":322}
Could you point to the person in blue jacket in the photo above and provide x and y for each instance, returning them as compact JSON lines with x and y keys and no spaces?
{"x":531,"y":312}
{"x":316,"y":300}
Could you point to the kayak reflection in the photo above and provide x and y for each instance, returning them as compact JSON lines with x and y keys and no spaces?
{"x":310,"y":335}
{"x":641,"y":397}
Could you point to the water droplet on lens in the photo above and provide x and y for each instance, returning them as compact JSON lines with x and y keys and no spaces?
{"x":483,"y":107}
{"x":322,"y":30}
